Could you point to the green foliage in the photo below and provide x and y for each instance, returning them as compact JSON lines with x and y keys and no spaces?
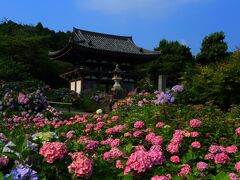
{"x":214,"y":48}
{"x":87,"y":104}
{"x":24,"y":53}
{"x":172,"y":61}
{"x":218,"y":83}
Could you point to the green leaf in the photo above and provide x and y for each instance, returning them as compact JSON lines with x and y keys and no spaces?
{"x":129,"y":177}
{"x":128,"y":148}
{"x":11,"y":155}
{"x":222,"y":176}
{"x":1,"y":175}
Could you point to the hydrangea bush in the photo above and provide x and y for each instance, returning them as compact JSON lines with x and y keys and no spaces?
{"x":146,"y":136}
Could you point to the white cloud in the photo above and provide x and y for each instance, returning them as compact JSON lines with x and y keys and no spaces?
{"x":139,"y":7}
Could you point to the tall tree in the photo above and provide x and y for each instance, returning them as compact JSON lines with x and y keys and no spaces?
{"x":24,"y":53}
{"x":213,"y":49}
{"x":172,"y":61}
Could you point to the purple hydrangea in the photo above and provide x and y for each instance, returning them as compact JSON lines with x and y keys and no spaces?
{"x":23,"y":172}
{"x":23,"y":99}
{"x":163,"y":98}
{"x":177,"y":88}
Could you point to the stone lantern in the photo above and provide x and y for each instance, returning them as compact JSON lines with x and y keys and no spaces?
{"x":117,"y":72}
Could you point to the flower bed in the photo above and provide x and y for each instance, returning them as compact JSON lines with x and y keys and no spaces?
{"x":144,"y":137}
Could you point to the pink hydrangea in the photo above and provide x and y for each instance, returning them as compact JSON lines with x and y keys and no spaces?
{"x":140,"y":103}
{"x":115,"y":118}
{"x":139,"y":124}
{"x":139,"y":148}
{"x":209,"y":156}
{"x":194,"y":134}
{"x":150,"y":136}
{"x":157,"y":140}
{"x":99,"y":119}
{"x":81,"y":165}
{"x":107,"y":141}
{"x":139,"y":162}
{"x":115,"y":129}
{"x":196,"y":144}
{"x":156,"y":147}
{"x":237,"y":166}
{"x":83,"y":139}
{"x":92,"y":145}
{"x":70,"y":134}
{"x":160,"y":124}
{"x":202,"y":166}
{"x":3,"y":161}
{"x":173,"y":148}
{"x":231,"y":149}
{"x":160,"y":178}
{"x":105,"y":116}
{"x":89,"y":126}
{"x":127,"y":134}
{"x":175,"y":159}
{"x":216,"y":149}
{"x":232,"y":176}
{"x":186,"y":169}
{"x":221,"y":158}
{"x":114,"y":153}
{"x":137,"y":134}
{"x":53,"y":151}
{"x":195,"y":123}
{"x":177,"y":139}
{"x":99,"y":125}
{"x":157,"y":156}
{"x":237,"y":131}
{"x":119,"y":164}
{"x":115,"y":143}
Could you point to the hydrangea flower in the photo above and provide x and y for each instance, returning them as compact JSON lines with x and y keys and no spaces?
{"x":221,"y":158}
{"x":177,"y":88}
{"x":139,"y":161}
{"x":231,"y":149}
{"x":99,"y":111}
{"x":164,"y":98}
{"x":160,"y":125}
{"x":175,"y":159}
{"x":209,"y":156}
{"x":196,"y":144}
{"x":139,"y":124}
{"x":237,"y":166}
{"x":216,"y":149}
{"x":195,"y":123}
{"x":119,"y":164}
{"x":81,"y":165}
{"x":160,"y":178}
{"x":44,"y":136}
{"x":3,"y":161}
{"x":232,"y":176}
{"x":23,"y":172}
{"x":237,"y":131}
{"x":186,"y":169}
{"x":53,"y":151}
{"x":114,"y":153}
{"x":202,"y":166}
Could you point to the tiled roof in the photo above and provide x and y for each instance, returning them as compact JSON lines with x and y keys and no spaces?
{"x":103,"y":43}
{"x":107,"y":42}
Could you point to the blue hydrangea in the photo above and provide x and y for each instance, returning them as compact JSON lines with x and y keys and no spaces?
{"x":177,"y":88}
{"x":23,"y":172}
{"x":163,"y":98}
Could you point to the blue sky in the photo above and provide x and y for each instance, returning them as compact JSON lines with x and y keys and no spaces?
{"x":148,"y":21}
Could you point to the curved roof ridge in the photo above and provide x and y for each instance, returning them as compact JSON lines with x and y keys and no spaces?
{"x":102,"y":34}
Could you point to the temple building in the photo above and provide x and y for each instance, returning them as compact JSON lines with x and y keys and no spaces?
{"x":95,"y":56}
